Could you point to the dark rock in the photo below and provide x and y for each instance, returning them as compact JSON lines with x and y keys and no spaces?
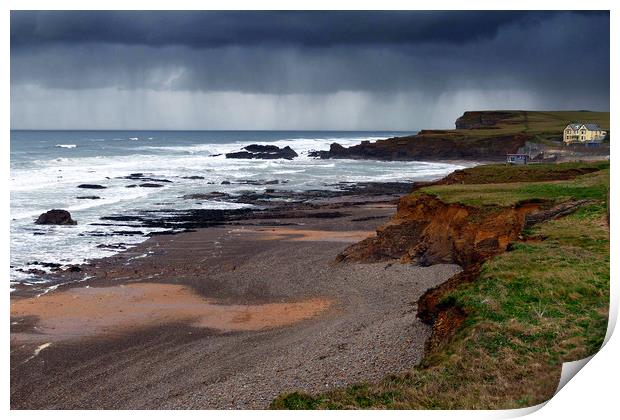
{"x":240,"y":155}
{"x":141,"y":177}
{"x":258,"y":151}
{"x":169,"y":232}
{"x":128,"y":232}
{"x":259,"y":182}
{"x":259,"y":148}
{"x":55,"y":217}
{"x":88,"y":197}
{"x":206,"y":196}
{"x":225,"y":182}
{"x":120,"y":246}
{"x":92,"y":186}
{"x":51,"y":265}
{"x":187,"y":219}
{"x":131,"y":186}
{"x":193,"y":177}
{"x":326,"y":215}
{"x":335,"y":150}
{"x":35,"y":271}
{"x":151,"y":185}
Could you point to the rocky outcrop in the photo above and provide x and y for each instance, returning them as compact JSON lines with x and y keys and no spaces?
{"x":92,"y":186}
{"x":430,"y":145}
{"x":55,"y":217}
{"x":257,"y":151}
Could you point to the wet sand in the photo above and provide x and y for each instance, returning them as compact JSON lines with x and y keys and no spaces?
{"x":92,"y":311}
{"x":224,"y":317}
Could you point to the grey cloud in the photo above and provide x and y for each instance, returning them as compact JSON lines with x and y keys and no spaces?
{"x":207,"y":29}
{"x":535,"y":57}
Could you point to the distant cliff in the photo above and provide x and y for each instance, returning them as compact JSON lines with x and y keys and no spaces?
{"x":479,"y":135}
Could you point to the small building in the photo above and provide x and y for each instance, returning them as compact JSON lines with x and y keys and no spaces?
{"x":583,"y":133}
{"x":517,"y":158}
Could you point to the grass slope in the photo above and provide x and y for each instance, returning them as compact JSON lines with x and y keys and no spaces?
{"x":588,"y":186}
{"x":543,"y":303}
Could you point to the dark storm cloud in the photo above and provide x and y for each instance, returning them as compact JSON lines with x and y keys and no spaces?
{"x":200,"y":29}
{"x":352,"y":69}
{"x":529,"y":55}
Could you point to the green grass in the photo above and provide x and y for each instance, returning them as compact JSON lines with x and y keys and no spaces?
{"x":590,"y":186}
{"x":502,"y":173}
{"x":543,"y":303}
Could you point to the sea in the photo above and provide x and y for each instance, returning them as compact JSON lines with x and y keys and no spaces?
{"x":47,"y":167}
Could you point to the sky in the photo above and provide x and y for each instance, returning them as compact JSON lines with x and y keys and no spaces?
{"x":249,"y":70}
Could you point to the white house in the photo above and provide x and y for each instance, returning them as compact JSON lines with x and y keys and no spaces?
{"x":583,"y":133}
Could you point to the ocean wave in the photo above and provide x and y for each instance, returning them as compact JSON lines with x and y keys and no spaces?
{"x":301,"y":145}
{"x":67,"y":146}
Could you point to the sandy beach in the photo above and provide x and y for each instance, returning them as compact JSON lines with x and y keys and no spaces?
{"x":223,"y":317}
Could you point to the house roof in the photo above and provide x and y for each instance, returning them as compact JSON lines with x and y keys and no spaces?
{"x":593,"y":127}
{"x":589,"y":126}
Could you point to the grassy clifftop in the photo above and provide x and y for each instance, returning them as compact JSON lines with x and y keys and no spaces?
{"x":546,"y":124}
{"x":522,"y":313}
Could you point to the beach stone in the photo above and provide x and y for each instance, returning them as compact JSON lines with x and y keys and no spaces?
{"x":151,"y":185}
{"x":55,"y":217}
{"x":88,"y":197}
{"x":92,"y":186}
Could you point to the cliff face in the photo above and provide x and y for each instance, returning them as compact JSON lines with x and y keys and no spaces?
{"x":427,"y":231}
{"x":485,"y":119}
